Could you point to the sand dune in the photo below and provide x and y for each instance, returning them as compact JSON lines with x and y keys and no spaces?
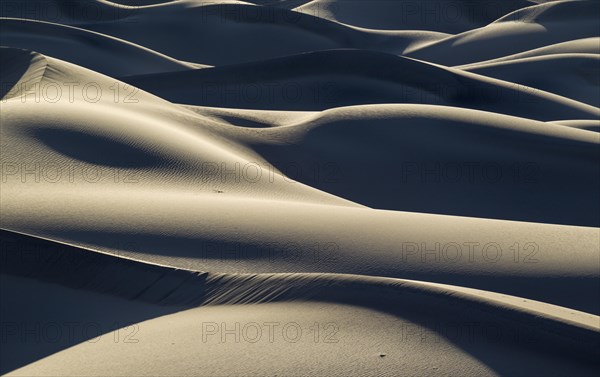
{"x":522,"y":329}
{"x":500,"y":183}
{"x":294,"y":188}
{"x":99,"y":52}
{"x":577,"y":46}
{"x":534,"y":27}
{"x":591,"y":125}
{"x":327,"y":79}
{"x":577,"y":75}
{"x":241,"y":29}
{"x":240,"y":26}
{"x":434,"y":15}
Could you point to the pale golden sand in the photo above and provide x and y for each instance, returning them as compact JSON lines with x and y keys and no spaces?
{"x":294,"y":188}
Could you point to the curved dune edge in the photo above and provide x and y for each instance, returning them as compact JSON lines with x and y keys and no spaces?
{"x":337,"y":78}
{"x":535,"y":27}
{"x":582,"y":124}
{"x":576,"y":75}
{"x":577,"y":46}
{"x":395,"y":15}
{"x":102,"y":53}
{"x":54,"y":259}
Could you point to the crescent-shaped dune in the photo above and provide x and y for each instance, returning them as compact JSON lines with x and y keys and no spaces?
{"x":299,"y":188}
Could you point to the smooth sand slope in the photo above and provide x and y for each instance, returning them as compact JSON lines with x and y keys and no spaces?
{"x":293,"y":188}
{"x":408,"y":323}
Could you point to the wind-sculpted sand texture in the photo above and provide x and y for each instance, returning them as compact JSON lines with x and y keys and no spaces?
{"x":300,"y":188}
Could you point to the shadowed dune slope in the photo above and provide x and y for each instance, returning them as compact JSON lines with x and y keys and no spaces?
{"x":575,"y":76}
{"x":241,"y":30}
{"x":435,"y":15}
{"x":479,"y":164}
{"x":176,"y":164}
{"x":591,"y":125}
{"x":176,"y":148}
{"x":19,"y":67}
{"x":534,"y":27}
{"x":576,"y":46}
{"x":326,"y":79}
{"x":146,"y":135}
{"x":530,"y":329}
{"x":71,"y":12}
{"x":96,"y":51}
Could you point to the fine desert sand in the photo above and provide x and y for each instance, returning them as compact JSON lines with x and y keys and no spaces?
{"x":300,"y":188}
